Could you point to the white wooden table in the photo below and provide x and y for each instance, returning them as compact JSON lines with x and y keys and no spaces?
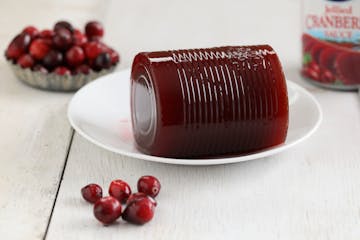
{"x":309,"y":192}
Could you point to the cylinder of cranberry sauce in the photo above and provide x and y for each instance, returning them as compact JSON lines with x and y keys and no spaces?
{"x":205,"y":102}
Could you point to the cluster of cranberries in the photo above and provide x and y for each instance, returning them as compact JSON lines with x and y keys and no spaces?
{"x":139,"y":208}
{"x":63,"y":50}
{"x":314,"y":71}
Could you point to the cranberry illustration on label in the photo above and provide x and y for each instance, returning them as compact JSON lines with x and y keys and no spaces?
{"x":347,"y":65}
{"x":327,"y":59}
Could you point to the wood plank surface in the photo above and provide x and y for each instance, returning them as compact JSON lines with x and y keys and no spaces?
{"x":309,"y":192}
{"x":34,"y":140}
{"x":35,"y":133}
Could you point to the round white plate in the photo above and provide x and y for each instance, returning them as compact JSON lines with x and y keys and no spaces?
{"x":100,"y":112}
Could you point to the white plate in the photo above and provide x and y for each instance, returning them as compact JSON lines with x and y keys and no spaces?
{"x":100,"y":112}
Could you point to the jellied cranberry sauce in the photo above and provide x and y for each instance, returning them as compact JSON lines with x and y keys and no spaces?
{"x":203,"y":102}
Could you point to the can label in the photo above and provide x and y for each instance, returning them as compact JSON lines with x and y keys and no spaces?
{"x":331,"y":42}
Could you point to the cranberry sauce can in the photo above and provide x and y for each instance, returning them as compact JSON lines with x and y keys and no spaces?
{"x":331,"y":43}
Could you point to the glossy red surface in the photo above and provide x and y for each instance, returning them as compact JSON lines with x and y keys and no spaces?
{"x":330,"y":63}
{"x":120,"y":190}
{"x":139,"y":211}
{"x":149,"y":185}
{"x":205,"y":102}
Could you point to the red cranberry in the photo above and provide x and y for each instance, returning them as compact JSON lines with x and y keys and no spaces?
{"x":114,"y":56}
{"x":93,"y":49}
{"x":39,"y":68}
{"x":22,"y":41}
{"x":83,"y":68}
{"x":107,"y":210}
{"x":139,"y":195}
{"x":79,"y":38}
{"x":120,"y":190}
{"x":149,"y":185}
{"x":139,"y":211}
{"x":62,"y":71}
{"x":91,"y":192}
{"x":75,"y":56}
{"x":134,"y":196}
{"x":94,"y":29}
{"x":47,"y":33}
{"x":53,"y":59}
{"x":18,"y":46}
{"x":32,"y":31}
{"x":25,"y":61}
{"x":62,"y":39}
{"x":63,"y":25}
{"x":103,"y":61}
{"x":39,"y":48}
{"x":95,"y":39}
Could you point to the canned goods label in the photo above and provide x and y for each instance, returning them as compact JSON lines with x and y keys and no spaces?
{"x":331,"y":42}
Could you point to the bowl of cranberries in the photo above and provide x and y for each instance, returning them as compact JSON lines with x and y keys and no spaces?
{"x":61,"y":59}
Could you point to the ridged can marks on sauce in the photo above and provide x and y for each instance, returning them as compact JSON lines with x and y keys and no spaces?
{"x":203,"y":102}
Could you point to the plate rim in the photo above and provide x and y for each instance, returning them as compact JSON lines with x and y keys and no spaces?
{"x":202,"y":161}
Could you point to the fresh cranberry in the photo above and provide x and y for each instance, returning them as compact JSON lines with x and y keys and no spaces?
{"x":93,"y":49}
{"x":134,"y":196}
{"x":94,"y":29}
{"x":32,"y":31}
{"x":75,"y":56}
{"x":40,"y":68}
{"x":95,"y":39}
{"x":138,"y":195}
{"x":63,"y":25}
{"x":22,"y":41}
{"x":49,"y":42}
{"x":47,"y":33}
{"x":114,"y":56}
{"x":62,"y":71}
{"x":149,"y":185}
{"x":120,"y":190}
{"x":107,"y":210}
{"x":139,"y":211}
{"x":91,"y":192}
{"x":18,"y":46}
{"x":26,"y":61}
{"x":53,"y":59}
{"x":103,"y":61}
{"x":39,"y":48}
{"x":327,"y":77}
{"x":79,"y":38}
{"x":83,"y":68}
{"x":13,"y":52}
{"x":62,"y":39}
